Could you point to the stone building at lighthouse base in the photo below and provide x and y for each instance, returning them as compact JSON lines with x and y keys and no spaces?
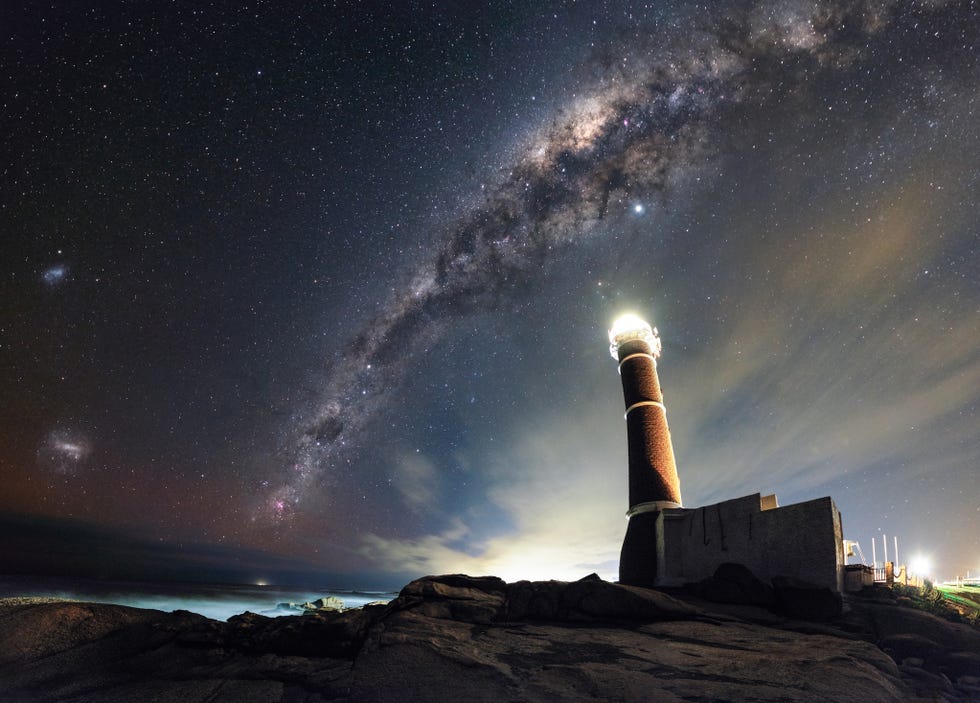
{"x":803,"y":541}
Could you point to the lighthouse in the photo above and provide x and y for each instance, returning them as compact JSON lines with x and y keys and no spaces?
{"x":668,"y":545}
{"x":653,"y":482}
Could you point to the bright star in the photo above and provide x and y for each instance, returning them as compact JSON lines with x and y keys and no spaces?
{"x":638,"y":209}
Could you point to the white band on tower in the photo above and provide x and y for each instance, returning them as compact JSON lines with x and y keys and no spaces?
{"x":634,"y":406}
{"x":652,"y":506}
{"x":651,"y":357}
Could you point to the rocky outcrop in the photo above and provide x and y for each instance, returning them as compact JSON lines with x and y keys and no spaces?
{"x":320,"y":604}
{"x":453,"y":638}
{"x":932,"y":653}
{"x":485,"y":600}
{"x":800,"y":599}
{"x":735,"y":583}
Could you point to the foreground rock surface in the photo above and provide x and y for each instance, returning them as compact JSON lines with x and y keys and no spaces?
{"x":452,"y":638}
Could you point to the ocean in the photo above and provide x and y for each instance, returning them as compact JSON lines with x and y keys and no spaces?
{"x":216,"y":601}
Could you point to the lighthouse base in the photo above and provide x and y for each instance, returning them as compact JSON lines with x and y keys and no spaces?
{"x":638,"y":557}
{"x":673,"y":547}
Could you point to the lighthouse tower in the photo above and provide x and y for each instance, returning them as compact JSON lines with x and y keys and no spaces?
{"x":653,"y":482}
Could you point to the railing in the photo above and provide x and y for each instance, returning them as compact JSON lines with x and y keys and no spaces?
{"x":886,"y":574}
{"x":889,"y":574}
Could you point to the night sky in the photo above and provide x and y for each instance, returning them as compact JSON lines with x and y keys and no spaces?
{"x":320,"y":291}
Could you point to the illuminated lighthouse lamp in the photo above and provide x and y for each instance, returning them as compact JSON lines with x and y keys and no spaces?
{"x":630,"y":327}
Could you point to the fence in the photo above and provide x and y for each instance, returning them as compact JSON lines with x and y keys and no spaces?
{"x":888,"y":573}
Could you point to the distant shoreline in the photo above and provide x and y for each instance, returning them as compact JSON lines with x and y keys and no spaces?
{"x":14,"y":601}
{"x":213,"y":601}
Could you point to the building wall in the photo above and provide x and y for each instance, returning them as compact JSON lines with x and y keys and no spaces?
{"x":858,"y":576}
{"x":803,"y":541}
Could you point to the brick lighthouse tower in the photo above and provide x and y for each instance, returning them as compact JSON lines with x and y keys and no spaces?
{"x":653,"y":482}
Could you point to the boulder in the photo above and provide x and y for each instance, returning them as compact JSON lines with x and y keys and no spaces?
{"x":907,"y":645}
{"x":328,"y":603}
{"x":887,"y":620}
{"x":592,"y":599}
{"x":801,"y":599}
{"x":324,"y":603}
{"x":735,"y":583}
{"x":454,"y":597}
{"x":323,"y":633}
{"x":927,"y":685}
{"x":878,"y":592}
{"x":483,"y":601}
{"x":43,"y":629}
{"x":955,"y":665}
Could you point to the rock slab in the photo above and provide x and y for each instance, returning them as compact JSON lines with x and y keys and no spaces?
{"x":452,"y":638}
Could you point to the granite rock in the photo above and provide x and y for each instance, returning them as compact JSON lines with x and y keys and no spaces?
{"x":800,"y":599}
{"x":735,"y":583}
{"x":452,"y":638}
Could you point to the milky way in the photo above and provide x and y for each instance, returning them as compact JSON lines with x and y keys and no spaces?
{"x":653,"y":114}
